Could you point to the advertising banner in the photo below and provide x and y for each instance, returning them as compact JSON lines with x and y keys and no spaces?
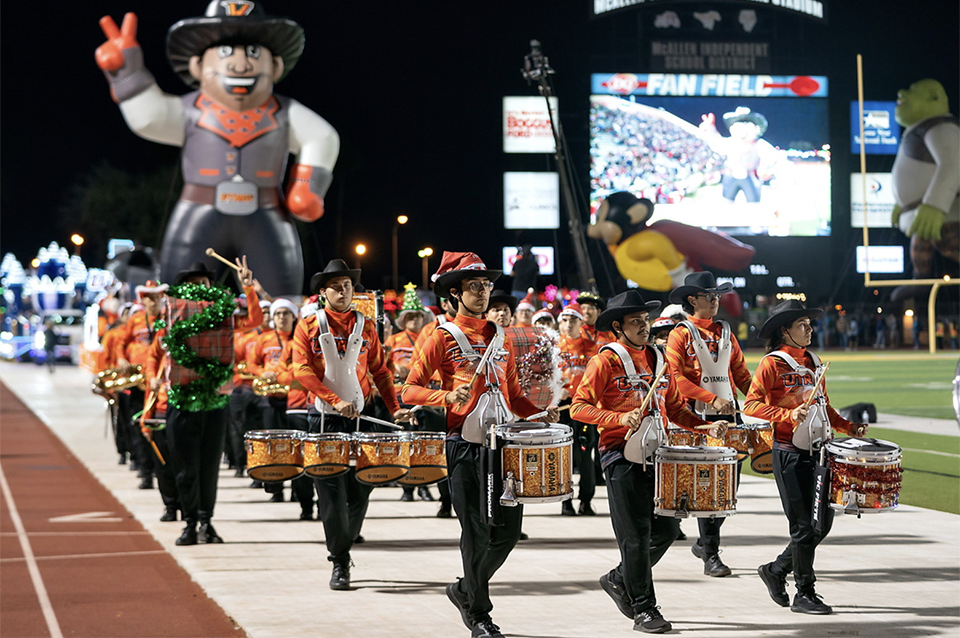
{"x":526,"y":125}
{"x":881,"y":133}
{"x":531,"y":200}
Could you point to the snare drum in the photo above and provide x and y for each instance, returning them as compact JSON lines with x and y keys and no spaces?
{"x":737,"y":437}
{"x":537,"y":463}
{"x":326,"y":454}
{"x":428,"y":458}
{"x":696,"y":481}
{"x":679,"y":436}
{"x":381,"y":457}
{"x":274,"y":455}
{"x":761,"y":458}
{"x":864,"y":475}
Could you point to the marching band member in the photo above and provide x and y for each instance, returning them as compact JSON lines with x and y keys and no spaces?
{"x":247,"y":410}
{"x":575,"y":351}
{"x":610,"y":396}
{"x":709,"y":367}
{"x":110,"y":344}
{"x":782,"y":383}
{"x":525,"y":309}
{"x":336,"y":350}
{"x":478,"y":387}
{"x":196,"y":430}
{"x":591,"y":306}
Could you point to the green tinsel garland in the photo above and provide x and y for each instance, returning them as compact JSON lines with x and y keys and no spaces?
{"x":202,"y":394}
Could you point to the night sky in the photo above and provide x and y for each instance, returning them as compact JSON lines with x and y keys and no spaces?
{"x":414,"y":90}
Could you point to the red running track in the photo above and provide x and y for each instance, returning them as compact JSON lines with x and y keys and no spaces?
{"x":77,"y":577}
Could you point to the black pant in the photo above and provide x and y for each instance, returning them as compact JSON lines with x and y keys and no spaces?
{"x":585,"y":440}
{"x":710,"y":527}
{"x":794,"y":474}
{"x":341,"y":500}
{"x":483,"y":548}
{"x":302,"y":486}
{"x":196,"y":445}
{"x":430,"y":420}
{"x":131,"y":402}
{"x":166,"y":473}
{"x":642,"y":537}
{"x":246,"y":415}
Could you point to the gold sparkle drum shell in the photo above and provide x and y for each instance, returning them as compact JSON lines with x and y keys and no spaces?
{"x":537,"y":463}
{"x":326,"y":454}
{"x":695,"y":481}
{"x":428,"y":458}
{"x":381,"y":457}
{"x":274,"y":455}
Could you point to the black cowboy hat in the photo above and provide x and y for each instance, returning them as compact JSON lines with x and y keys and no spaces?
{"x":499,"y":296}
{"x":591,"y":298}
{"x":240,"y":22}
{"x":784,"y":314}
{"x":697,"y":282}
{"x":744,"y":114}
{"x":626,"y":303}
{"x":196,"y":269}
{"x":334,"y":268}
{"x":455,"y":267}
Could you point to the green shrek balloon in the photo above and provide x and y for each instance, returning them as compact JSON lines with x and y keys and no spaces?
{"x":926,"y":176}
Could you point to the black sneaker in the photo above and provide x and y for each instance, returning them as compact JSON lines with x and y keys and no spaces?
{"x":123,"y":459}
{"x":424,"y":494}
{"x":146,"y":483}
{"x":713,"y":566}
{"x":169,"y":514}
{"x":406,"y":497}
{"x":776,"y":585}
{"x":681,"y":536}
{"x":697,"y":550}
{"x":208,"y":534}
{"x":276,"y":497}
{"x":651,"y":621}
{"x":810,"y":603}
{"x":485,"y":629}
{"x":445,"y":512}
{"x":306,"y":514}
{"x":586,"y":509}
{"x":359,"y":540}
{"x":567,"y":509}
{"x":459,"y":599}
{"x":340,"y":580}
{"x":189,"y":535}
{"x":619,"y":595}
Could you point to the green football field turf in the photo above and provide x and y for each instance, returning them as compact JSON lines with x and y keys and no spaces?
{"x":911,"y":384}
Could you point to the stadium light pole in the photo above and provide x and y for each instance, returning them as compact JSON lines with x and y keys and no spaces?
{"x":425,"y":256}
{"x":400,"y":221}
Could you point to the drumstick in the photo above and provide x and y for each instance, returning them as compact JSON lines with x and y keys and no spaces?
{"x":646,"y":400}
{"x":381,"y":422}
{"x":212,"y":253}
{"x":823,"y":373}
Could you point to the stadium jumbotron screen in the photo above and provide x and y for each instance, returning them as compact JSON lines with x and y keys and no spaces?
{"x":746,"y":155}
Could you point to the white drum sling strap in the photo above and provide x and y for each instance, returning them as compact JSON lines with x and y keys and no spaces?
{"x":340,"y":373}
{"x":491,"y":408}
{"x":714,"y":373}
{"x":650,"y":435}
{"x":815,"y":429}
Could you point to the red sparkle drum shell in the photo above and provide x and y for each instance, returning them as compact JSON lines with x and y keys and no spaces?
{"x":695,"y":481}
{"x":538,"y":461}
{"x":274,"y":455}
{"x":326,"y":454}
{"x":865,"y":475}
{"x":428,"y":458}
{"x":381,"y":457}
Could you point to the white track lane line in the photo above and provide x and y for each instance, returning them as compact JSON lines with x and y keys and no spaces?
{"x":53,"y":626}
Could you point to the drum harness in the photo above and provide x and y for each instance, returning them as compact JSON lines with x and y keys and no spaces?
{"x":652,"y":423}
{"x":714,"y":372}
{"x":811,"y":434}
{"x":479,"y":426}
{"x":340,"y":373}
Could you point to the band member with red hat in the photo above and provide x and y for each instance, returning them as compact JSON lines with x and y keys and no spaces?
{"x":610,"y":395}
{"x":336,"y":351}
{"x":784,"y":379}
{"x":236,"y":136}
{"x":525,"y":309}
{"x":479,"y":388}
{"x":706,"y":359}
{"x":575,"y":351}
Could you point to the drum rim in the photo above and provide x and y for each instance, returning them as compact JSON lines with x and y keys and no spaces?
{"x":379,"y":437}
{"x":512,"y":429}
{"x":311,"y":437}
{"x":715,"y":453}
{"x":267,"y":435}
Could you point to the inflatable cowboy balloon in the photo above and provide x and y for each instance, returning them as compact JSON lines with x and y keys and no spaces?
{"x":926,"y":178}
{"x":235,"y":134}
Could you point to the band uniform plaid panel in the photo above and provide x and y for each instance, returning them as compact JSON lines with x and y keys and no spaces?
{"x":216,"y":344}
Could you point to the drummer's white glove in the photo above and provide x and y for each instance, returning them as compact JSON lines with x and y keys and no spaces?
{"x":719,"y":429}
{"x":346,"y":410}
{"x":404,"y":416}
{"x":723,"y":406}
